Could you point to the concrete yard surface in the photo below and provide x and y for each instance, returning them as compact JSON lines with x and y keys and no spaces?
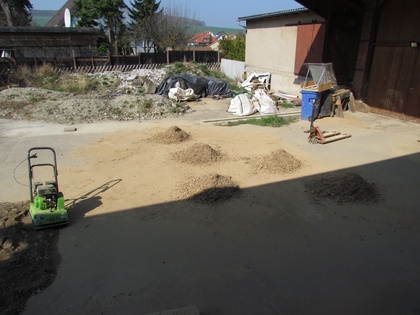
{"x":137,"y":242}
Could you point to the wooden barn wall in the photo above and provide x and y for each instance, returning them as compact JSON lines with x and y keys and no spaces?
{"x":394,"y":76}
{"x":343,"y":24}
{"x":27,"y":37}
{"x":309,"y":46}
{"x":342,"y":41}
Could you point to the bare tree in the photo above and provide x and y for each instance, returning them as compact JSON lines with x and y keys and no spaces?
{"x":169,"y":28}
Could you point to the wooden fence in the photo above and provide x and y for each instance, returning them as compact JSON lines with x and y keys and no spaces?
{"x":70,"y":60}
{"x":95,"y":64}
{"x":122,"y":68}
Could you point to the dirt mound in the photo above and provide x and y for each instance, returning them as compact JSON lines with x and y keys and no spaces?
{"x":173,"y":135}
{"x":278,"y":161}
{"x":198,"y":153}
{"x":27,"y":262}
{"x":210,"y":189}
{"x":350,"y":187}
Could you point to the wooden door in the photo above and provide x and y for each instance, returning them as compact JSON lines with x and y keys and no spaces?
{"x":394,"y":81}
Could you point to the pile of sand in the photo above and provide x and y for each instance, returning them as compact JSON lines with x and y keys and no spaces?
{"x":198,"y":153}
{"x":350,"y":187}
{"x":173,"y":135}
{"x":278,"y":161}
{"x":210,"y":189}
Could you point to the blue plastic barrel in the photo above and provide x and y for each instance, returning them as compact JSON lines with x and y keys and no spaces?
{"x":308,"y":100}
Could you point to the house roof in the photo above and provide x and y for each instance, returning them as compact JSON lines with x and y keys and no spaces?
{"x":58,"y":19}
{"x":206,"y":37}
{"x":272,"y":14}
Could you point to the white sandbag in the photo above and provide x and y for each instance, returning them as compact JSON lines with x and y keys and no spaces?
{"x":240,"y":105}
{"x":263,"y":103}
{"x":179,"y":94}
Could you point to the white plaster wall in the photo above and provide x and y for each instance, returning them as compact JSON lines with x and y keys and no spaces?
{"x":271,"y":47}
{"x":232,"y":68}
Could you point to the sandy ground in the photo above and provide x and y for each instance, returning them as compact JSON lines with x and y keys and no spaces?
{"x":136,"y":245}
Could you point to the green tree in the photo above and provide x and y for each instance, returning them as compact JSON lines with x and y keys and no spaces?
{"x":108,"y":13}
{"x":141,"y":14}
{"x":143,"y":8}
{"x":15,"y":12}
{"x":87,"y":13}
{"x":233,"y":49}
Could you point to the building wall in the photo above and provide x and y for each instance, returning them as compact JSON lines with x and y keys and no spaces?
{"x":271,"y":47}
{"x":387,"y":69}
{"x":232,"y":68}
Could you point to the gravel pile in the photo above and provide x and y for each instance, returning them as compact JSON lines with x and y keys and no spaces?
{"x":123,"y":96}
{"x":65,"y":108}
{"x":350,"y":187}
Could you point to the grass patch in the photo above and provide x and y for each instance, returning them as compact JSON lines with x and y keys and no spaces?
{"x":286,"y":104}
{"x":179,"y":68}
{"x":47,"y":78}
{"x":264,"y":121}
{"x":146,"y":106}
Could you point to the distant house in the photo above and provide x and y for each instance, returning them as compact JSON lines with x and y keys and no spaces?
{"x":215,"y":45}
{"x":204,"y":39}
{"x":281,"y":42}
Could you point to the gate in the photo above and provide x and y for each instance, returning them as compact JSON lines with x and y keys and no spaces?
{"x":394,"y":83}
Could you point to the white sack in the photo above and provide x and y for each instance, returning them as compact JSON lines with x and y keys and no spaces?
{"x":179,"y":94}
{"x":240,"y":105}
{"x":263,"y":103}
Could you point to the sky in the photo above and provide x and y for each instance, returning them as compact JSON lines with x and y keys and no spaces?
{"x":221,"y":13}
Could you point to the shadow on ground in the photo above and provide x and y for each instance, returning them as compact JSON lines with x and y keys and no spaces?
{"x":275,"y":249}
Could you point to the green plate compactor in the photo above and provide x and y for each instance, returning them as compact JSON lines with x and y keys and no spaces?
{"x":47,"y":202}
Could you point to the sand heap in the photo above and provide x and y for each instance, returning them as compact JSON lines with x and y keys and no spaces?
{"x":278,"y":161}
{"x":173,"y":135}
{"x":198,"y":153}
{"x":210,"y":189}
{"x":350,"y":187}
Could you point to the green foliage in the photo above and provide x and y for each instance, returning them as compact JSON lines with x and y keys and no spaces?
{"x":147,"y":105}
{"x":179,"y":68}
{"x":233,"y":49}
{"x":15,"y":12}
{"x":110,"y":11}
{"x":286,"y":104}
{"x":272,"y":121}
{"x":141,"y":9}
{"x":238,"y":89}
{"x":86,"y":12}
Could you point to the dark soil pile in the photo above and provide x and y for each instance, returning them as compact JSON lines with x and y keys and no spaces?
{"x":277,"y":162}
{"x":350,"y":187}
{"x":198,"y":153}
{"x":28,"y":262}
{"x":210,"y":189}
{"x":173,"y":135}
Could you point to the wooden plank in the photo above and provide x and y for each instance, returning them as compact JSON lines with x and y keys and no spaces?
{"x":351,"y":103}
